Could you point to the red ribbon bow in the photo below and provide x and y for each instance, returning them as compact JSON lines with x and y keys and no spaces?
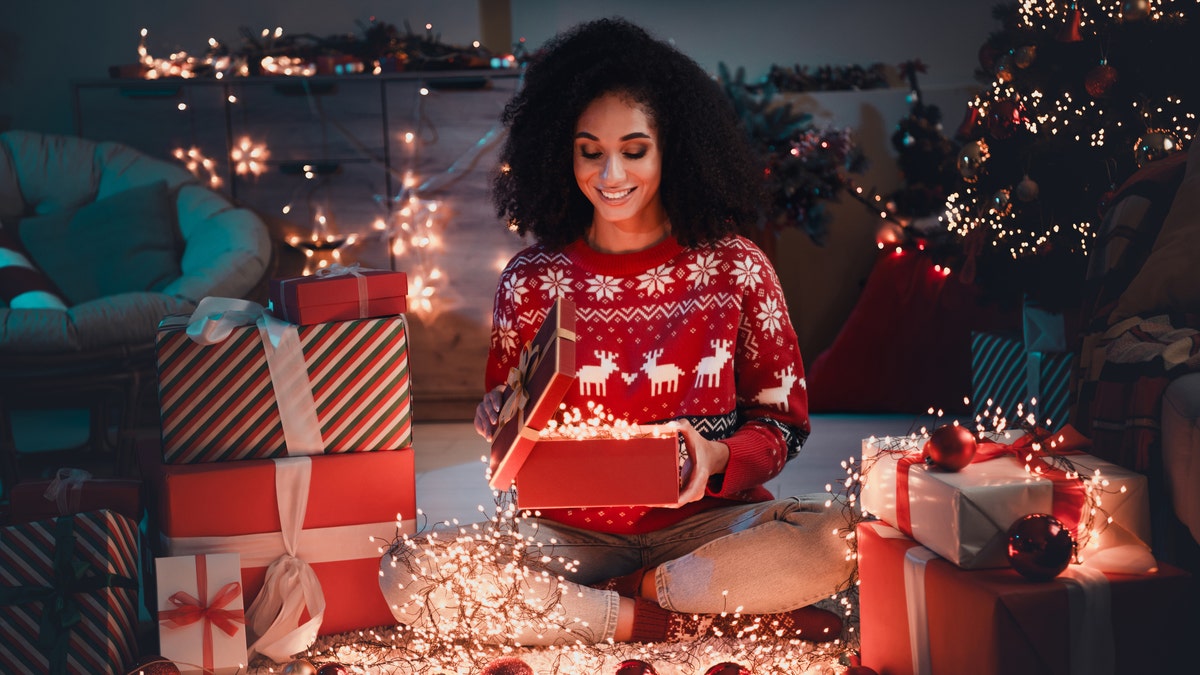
{"x":1070,"y":495}
{"x":188,"y":610}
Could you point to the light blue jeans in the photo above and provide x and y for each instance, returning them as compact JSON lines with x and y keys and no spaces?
{"x":759,"y":558}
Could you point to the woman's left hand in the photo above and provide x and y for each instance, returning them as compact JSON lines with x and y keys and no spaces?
{"x":708,"y":458}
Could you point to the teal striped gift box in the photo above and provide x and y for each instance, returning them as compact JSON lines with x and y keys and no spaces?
{"x":68,"y":594}
{"x":218,"y":403}
{"x":1004,"y":374}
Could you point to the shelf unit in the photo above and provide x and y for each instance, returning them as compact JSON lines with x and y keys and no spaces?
{"x":339,"y":147}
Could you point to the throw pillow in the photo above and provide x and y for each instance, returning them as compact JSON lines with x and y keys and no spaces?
{"x":22,"y":285}
{"x":126,"y":242}
{"x":1169,"y":280}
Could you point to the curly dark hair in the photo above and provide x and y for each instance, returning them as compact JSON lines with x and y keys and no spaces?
{"x":710,"y":185}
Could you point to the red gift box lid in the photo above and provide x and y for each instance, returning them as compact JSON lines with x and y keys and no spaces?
{"x":550,"y":373}
{"x":292,"y":294}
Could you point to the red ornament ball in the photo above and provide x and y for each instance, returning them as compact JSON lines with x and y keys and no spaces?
{"x":950,"y":447}
{"x":156,"y":665}
{"x":635,"y":667}
{"x":987,"y":56}
{"x":333,"y":669}
{"x":1039,"y":546}
{"x":300,"y":667}
{"x":1099,"y":81}
{"x":728,"y":668}
{"x":507,"y":665}
{"x":1005,"y":117}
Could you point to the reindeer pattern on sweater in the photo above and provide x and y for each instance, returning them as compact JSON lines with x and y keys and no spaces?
{"x":668,"y":333}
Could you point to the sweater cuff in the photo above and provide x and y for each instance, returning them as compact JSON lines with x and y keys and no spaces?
{"x":757,"y":453}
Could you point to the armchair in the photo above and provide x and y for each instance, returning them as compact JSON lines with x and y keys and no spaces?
{"x":120,"y":239}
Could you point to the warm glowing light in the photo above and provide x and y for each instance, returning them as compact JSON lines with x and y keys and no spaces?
{"x":199,"y":165}
{"x":249,"y":158}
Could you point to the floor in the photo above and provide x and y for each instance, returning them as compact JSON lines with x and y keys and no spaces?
{"x":450,"y":461}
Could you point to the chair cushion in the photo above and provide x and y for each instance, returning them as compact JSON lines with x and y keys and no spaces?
{"x":1169,"y":280}
{"x":123,"y":243}
{"x":22,"y":284}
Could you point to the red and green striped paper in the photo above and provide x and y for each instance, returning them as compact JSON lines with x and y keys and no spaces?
{"x":217,"y":402}
{"x":105,"y":554}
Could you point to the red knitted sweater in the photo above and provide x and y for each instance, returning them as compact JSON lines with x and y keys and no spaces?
{"x":668,"y":333}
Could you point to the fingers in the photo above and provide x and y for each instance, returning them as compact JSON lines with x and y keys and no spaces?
{"x":487,"y":413}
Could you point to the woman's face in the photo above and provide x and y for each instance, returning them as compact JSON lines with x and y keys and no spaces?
{"x":618,"y":163}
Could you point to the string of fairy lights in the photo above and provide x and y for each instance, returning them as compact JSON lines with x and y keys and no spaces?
{"x":477,"y":577}
{"x":409,"y":222}
{"x":976,"y":216}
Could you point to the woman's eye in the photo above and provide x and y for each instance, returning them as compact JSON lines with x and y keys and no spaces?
{"x":636,"y":155}
{"x":589,"y":155}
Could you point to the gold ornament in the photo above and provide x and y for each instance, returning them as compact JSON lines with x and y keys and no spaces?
{"x":971,"y":158}
{"x":300,"y":667}
{"x":1002,"y":202}
{"x":1135,"y":10}
{"x":1156,"y":144}
{"x":1004,"y":68}
{"x":1024,"y":56}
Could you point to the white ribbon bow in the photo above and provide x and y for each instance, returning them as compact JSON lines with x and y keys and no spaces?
{"x":65,"y":489}
{"x":291,"y":585}
{"x":354,"y":269}
{"x":214,"y":319}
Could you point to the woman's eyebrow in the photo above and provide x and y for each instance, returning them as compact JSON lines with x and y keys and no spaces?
{"x":626,"y":137}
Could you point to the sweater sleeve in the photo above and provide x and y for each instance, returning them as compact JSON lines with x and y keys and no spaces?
{"x":504,"y":348}
{"x":772,"y":395}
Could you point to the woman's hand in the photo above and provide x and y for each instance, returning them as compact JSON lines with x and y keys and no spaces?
{"x":708,"y":458}
{"x":487,"y":414}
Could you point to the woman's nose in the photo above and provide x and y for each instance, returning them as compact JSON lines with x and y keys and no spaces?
{"x":614,"y":170}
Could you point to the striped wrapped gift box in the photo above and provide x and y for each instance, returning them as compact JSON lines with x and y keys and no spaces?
{"x":1004,"y":373}
{"x":218,"y":403}
{"x":68,"y":593}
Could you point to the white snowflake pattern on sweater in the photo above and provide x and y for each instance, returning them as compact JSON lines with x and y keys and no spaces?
{"x":660,"y":335}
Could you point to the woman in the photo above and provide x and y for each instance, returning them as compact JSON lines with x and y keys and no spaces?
{"x":625,"y":161}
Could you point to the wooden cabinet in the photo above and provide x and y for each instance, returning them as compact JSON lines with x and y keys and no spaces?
{"x":342,"y":151}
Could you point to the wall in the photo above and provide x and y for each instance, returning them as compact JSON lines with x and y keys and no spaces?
{"x":41,"y":54}
{"x":45,"y":45}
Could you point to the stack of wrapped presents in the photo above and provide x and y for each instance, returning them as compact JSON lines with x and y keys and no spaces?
{"x":941,"y":590}
{"x":285,"y":464}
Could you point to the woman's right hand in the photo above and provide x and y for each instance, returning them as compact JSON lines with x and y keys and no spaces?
{"x":487,"y":414}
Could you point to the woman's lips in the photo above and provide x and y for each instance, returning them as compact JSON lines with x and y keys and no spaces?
{"x":615,"y":195}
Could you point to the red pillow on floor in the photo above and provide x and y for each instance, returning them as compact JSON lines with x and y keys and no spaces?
{"x":906,"y":345}
{"x":22,"y":284}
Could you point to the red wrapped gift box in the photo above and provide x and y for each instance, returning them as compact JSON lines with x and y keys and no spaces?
{"x":345,"y":293}
{"x":561,"y":472}
{"x":219,"y":401}
{"x":994,"y":621}
{"x":87,"y":565}
{"x":240,"y":507}
{"x":75,"y":491}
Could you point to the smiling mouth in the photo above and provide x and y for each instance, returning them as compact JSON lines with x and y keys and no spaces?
{"x":615,"y":196}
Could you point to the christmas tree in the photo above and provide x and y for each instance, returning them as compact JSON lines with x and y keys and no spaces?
{"x":804,"y":167}
{"x":924,"y":155}
{"x":1078,"y":96}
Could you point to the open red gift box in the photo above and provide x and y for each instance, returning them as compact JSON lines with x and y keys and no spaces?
{"x":344,"y":294}
{"x":573,"y":472}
